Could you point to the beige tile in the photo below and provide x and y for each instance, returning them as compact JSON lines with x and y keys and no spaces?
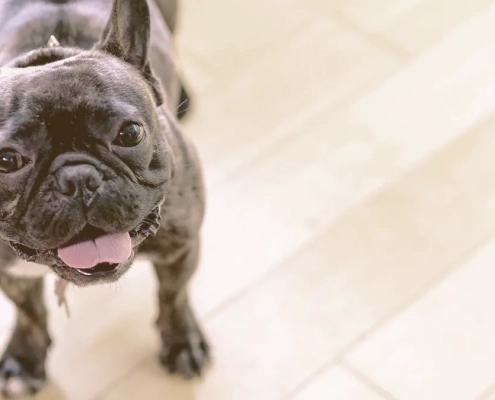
{"x":99,"y":342}
{"x":84,"y":345}
{"x":6,"y":312}
{"x":430,"y":21}
{"x":314,"y":172}
{"x":416,"y":25}
{"x":151,"y":383}
{"x":377,"y":14}
{"x":380,"y":12}
{"x":82,"y":342}
{"x":325,"y":63}
{"x":197,"y":81}
{"x":426,"y":103}
{"x":49,"y":392}
{"x":442,"y":346}
{"x":367,"y":264}
{"x":423,"y":105}
{"x":337,"y":384}
{"x":226,"y":37}
{"x":291,"y":191}
{"x":491,"y":396}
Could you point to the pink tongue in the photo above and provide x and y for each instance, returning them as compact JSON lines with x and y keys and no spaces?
{"x":115,"y":249}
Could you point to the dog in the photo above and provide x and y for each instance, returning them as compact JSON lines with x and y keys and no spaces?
{"x":94,"y":168}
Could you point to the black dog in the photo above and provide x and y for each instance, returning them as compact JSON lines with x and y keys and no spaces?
{"x":94,"y":168}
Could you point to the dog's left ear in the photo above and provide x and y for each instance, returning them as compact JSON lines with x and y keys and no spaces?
{"x":127,"y":33}
{"x":127,"y":36}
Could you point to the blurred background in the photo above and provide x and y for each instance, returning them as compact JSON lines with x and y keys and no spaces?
{"x":349,"y":246}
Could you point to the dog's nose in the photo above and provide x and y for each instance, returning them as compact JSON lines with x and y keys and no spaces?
{"x":78,"y":180}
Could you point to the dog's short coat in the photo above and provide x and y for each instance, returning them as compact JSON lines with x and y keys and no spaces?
{"x":90,"y":147}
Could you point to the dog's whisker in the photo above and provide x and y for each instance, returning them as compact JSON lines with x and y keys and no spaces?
{"x":181,"y":104}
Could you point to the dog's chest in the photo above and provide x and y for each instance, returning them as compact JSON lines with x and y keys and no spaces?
{"x":25,"y":269}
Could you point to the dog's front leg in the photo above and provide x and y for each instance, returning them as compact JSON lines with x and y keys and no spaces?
{"x":22,"y":366}
{"x":184,"y":347}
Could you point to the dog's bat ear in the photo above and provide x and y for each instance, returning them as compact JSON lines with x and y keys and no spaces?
{"x":127,"y":36}
{"x":127,"y":33}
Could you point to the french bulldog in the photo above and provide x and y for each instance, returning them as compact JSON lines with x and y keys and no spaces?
{"x":94,"y":168}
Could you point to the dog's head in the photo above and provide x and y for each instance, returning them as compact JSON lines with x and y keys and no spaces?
{"x":84,"y":162}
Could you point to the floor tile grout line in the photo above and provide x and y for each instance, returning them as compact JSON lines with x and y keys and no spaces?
{"x":306,"y":382}
{"x":367,"y":381}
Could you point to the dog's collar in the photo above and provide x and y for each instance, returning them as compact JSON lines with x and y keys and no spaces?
{"x":53,"y":42}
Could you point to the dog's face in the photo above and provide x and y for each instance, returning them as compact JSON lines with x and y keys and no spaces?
{"x":84,"y":164}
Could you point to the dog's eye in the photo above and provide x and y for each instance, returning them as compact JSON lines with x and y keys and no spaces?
{"x":10,"y":161}
{"x":130,"y":135}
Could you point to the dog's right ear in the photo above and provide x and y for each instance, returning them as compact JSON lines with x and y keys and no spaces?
{"x":127,"y":33}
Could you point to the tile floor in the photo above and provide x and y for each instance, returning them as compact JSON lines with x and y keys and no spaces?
{"x":349,"y":247}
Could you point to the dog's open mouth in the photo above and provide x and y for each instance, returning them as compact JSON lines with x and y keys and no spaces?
{"x":93,"y":252}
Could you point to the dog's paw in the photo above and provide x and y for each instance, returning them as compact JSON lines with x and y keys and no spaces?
{"x":187,"y":355}
{"x":16,"y":380}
